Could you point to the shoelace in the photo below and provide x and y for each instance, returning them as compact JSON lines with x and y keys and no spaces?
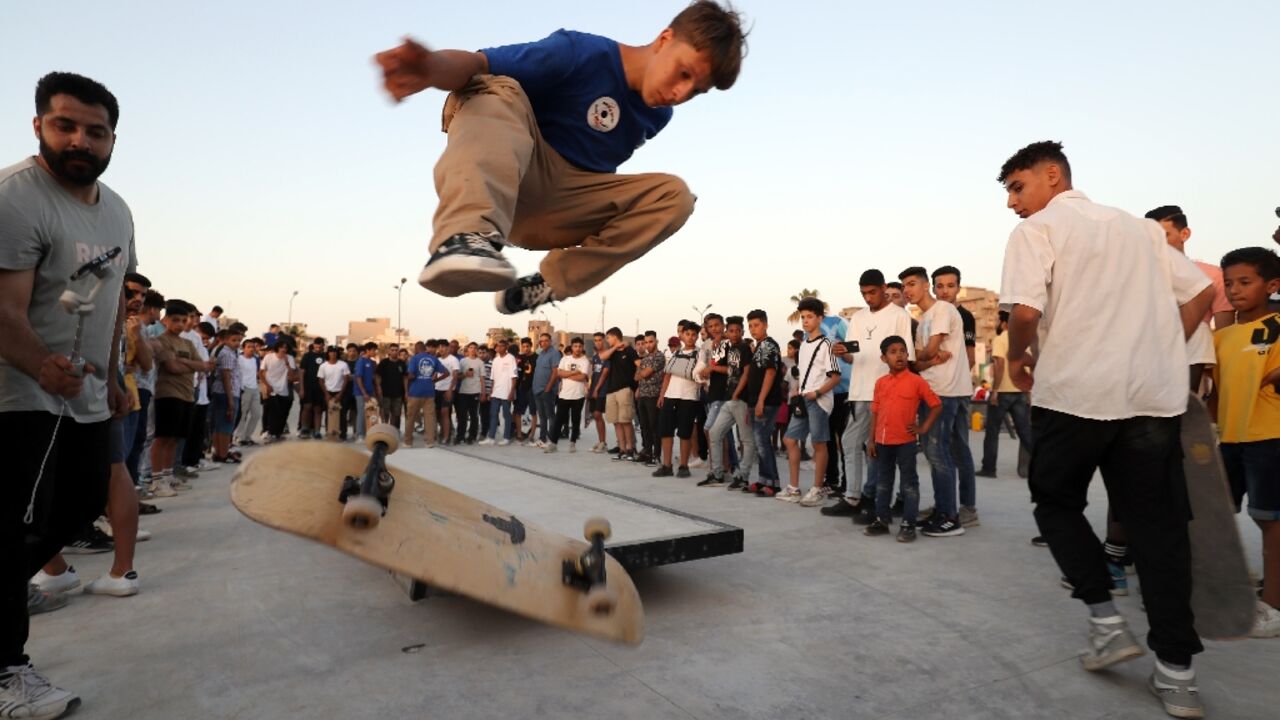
{"x":27,"y":683}
{"x":535,"y":294}
{"x":481,"y":241}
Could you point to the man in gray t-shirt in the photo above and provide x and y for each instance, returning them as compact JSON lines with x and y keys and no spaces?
{"x":54,"y":217}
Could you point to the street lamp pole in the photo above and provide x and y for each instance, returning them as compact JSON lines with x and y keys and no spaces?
{"x":291,"y":297}
{"x":399,"y":309}
{"x":700,"y":313}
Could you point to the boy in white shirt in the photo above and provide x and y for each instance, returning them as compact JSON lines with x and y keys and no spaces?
{"x":942,"y":362}
{"x":574,"y":373}
{"x":1116,"y":410}
{"x":504,"y":370}
{"x":333,"y":376}
{"x":678,"y":402}
{"x":819,"y":374}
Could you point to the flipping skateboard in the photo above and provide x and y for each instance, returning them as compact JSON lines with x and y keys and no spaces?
{"x":334,"y":419}
{"x":389,"y":518}
{"x":1222,"y":596}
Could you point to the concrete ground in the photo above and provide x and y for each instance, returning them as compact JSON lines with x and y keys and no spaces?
{"x":812,"y":620}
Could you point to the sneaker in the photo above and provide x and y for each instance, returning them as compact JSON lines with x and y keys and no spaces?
{"x":211,"y":464}
{"x":531,"y":443}
{"x":683,"y":472}
{"x":986,"y":473}
{"x":177,"y":483}
{"x":105,"y":526}
{"x":753,"y":487}
{"x":767,"y":491}
{"x":487,"y":441}
{"x":504,"y":441}
{"x":123,"y":586}
{"x":840,"y":508}
{"x":663,"y":471}
{"x":876,"y":528}
{"x":790,"y":494}
{"x":550,"y":448}
{"x":615,"y":450}
{"x":468,"y":262}
{"x":57,"y":583}
{"x":925,"y":514}
{"x":1039,"y":541}
{"x":90,"y":542}
{"x":598,"y":448}
{"x":906,"y":532}
{"x":39,"y":601}
{"x":814,"y":496}
{"x":1119,"y":583}
{"x":698,"y":463}
{"x":1267,"y":624}
{"x":161,"y":488}
{"x":737,"y":483}
{"x":1177,"y":690}
{"x":712,"y":480}
{"x":864,"y":516}
{"x":26,"y":693}
{"x":573,"y":448}
{"x":1110,"y":642}
{"x":945,"y":527}
{"x":528,"y":293}
{"x":182,"y":471}
{"x":969,"y":517}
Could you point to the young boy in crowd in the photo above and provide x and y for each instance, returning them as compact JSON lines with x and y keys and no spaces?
{"x":819,"y":374}
{"x":678,"y":401}
{"x":893,"y":440}
{"x":333,"y":377}
{"x":225,"y":394}
{"x":536,"y":134}
{"x":619,"y":398}
{"x":178,"y":362}
{"x":311,"y":400}
{"x":526,"y":363}
{"x":446,"y":388}
{"x":424,"y":370}
{"x":596,"y":394}
{"x":1246,"y":403}
{"x":734,"y":411}
{"x":574,"y":370}
{"x":649,"y":388}
{"x":390,"y":380}
{"x":763,"y":397}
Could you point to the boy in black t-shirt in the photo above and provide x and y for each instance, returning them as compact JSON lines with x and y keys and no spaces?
{"x":312,"y":406}
{"x":763,"y":396}
{"x":526,"y":359}
{"x":390,"y":378}
{"x":618,"y":377}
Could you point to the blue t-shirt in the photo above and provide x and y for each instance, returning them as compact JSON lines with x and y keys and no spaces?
{"x":580,"y":97}
{"x":422,"y":367}
{"x":364,"y":371}
{"x":548,"y":361}
{"x":835,"y":328}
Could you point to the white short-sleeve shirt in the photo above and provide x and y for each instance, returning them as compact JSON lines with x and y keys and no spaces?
{"x":574,"y":389}
{"x":952,"y":378}
{"x":870,"y":329}
{"x":503,"y":373}
{"x":1108,"y":287}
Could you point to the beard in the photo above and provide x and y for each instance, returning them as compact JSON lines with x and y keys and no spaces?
{"x":78,"y":167}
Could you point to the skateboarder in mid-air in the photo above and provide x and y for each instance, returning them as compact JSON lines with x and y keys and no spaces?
{"x":1116,"y":408}
{"x":536,"y":134}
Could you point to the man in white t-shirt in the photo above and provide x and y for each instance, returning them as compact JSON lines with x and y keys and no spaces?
{"x":250,"y":394}
{"x":574,"y":373}
{"x":444,"y":391}
{"x":333,"y":375}
{"x":678,"y":401}
{"x":276,"y":372}
{"x":817,"y":373}
{"x":1115,"y":407}
{"x":868,"y":327}
{"x":505,"y":369}
{"x":942,"y":362}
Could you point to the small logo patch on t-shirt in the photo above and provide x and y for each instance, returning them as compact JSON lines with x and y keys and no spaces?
{"x":603,"y":114}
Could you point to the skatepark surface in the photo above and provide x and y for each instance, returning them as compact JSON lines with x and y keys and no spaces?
{"x":812,"y":620}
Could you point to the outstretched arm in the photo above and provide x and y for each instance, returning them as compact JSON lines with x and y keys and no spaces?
{"x":412,"y":68}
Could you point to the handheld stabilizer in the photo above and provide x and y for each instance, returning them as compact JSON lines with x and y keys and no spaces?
{"x":81,"y":305}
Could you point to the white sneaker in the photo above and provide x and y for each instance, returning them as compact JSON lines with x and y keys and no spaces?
{"x":206,"y":464}
{"x":531,"y":443}
{"x":504,"y":441}
{"x":550,"y":448}
{"x":573,"y":447}
{"x":542,"y":445}
{"x":790,"y":494}
{"x":814,"y":496}
{"x":57,"y":583}
{"x":697,"y":463}
{"x":162,"y":489}
{"x":1267,"y":624}
{"x":599,"y":447}
{"x":105,"y":526}
{"x":25,"y":693}
{"x":486,"y":441}
{"x":118,"y":586}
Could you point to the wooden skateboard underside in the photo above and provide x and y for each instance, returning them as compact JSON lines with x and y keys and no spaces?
{"x":437,"y":535}
{"x":1222,"y":597}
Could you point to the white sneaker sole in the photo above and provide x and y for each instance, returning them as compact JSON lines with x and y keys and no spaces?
{"x":461,"y":274}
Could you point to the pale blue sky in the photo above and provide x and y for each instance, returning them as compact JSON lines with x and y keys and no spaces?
{"x":260,"y":156}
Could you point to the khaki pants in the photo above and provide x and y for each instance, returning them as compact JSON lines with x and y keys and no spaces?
{"x":498,"y":174}
{"x":417,"y":409}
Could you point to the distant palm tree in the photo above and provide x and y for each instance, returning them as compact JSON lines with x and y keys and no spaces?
{"x":794,"y":317}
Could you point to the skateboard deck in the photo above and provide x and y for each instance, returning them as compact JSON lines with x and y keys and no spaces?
{"x":1222,"y":596}
{"x":439,"y":536}
{"x":371,"y":414}
{"x":334,"y":420}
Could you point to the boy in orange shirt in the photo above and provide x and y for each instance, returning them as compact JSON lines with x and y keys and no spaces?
{"x":895,"y":437}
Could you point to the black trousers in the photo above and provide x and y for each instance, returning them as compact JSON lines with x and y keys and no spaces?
{"x":466,"y":405}
{"x":1141,"y":463}
{"x":193,"y":448}
{"x":567,"y":411}
{"x":347,"y":418}
{"x":837,"y":421}
{"x":73,"y":491}
{"x":647,"y":410}
{"x":275,"y":414}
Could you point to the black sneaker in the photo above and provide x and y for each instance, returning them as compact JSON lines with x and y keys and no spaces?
{"x":839,"y":508}
{"x":876,"y":528}
{"x":650,"y":461}
{"x":712,"y":480}
{"x":944,"y":527}
{"x":90,"y":542}
{"x":1039,"y":541}
{"x":528,"y":293}
{"x":663,"y":471}
{"x":864,"y":516}
{"x":683,"y":472}
{"x":614,"y":450}
{"x":737,"y":483}
{"x":468,"y":262}
{"x":897,"y":507}
{"x":906,"y":532}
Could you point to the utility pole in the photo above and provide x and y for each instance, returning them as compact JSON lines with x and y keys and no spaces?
{"x":602,"y":302}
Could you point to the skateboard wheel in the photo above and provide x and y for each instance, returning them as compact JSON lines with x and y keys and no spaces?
{"x":597,"y":525}
{"x":383,"y":433}
{"x":362,"y":512}
{"x":601,"y":601}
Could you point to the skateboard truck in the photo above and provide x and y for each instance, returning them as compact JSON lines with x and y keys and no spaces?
{"x":365,"y":497}
{"x":587,"y":572}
